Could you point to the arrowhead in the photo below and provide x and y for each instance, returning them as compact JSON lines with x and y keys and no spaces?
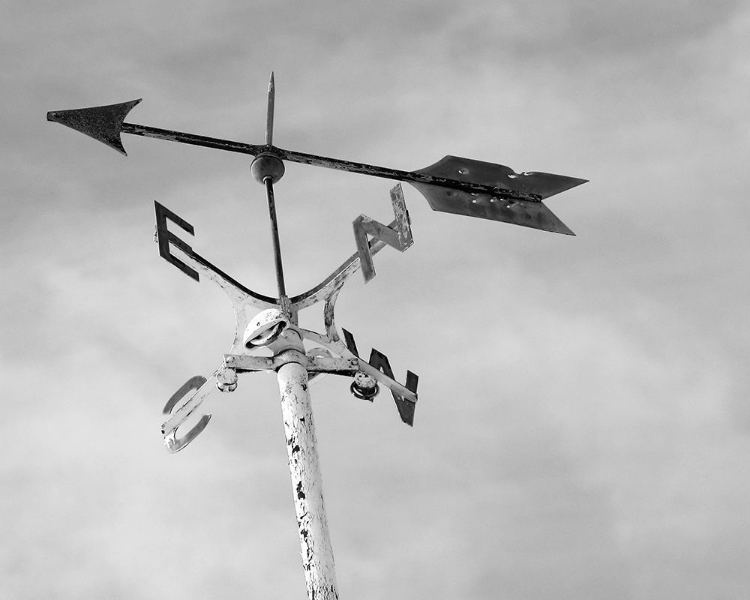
{"x":102,"y":123}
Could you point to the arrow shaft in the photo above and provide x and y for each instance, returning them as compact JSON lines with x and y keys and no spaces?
{"x":324,"y":161}
{"x":191,"y":138}
{"x":395,"y":174}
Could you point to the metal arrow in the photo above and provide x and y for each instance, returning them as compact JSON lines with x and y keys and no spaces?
{"x":453,"y":184}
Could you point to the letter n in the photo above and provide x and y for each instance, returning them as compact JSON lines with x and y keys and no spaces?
{"x":397,"y":234}
{"x":405,"y":407}
{"x":165,"y":238}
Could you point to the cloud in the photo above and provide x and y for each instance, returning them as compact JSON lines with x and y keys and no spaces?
{"x":580,"y":429}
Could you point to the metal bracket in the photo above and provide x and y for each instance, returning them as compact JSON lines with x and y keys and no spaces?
{"x":244,"y":300}
{"x":313,"y":363}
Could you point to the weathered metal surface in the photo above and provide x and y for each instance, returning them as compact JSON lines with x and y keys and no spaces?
{"x":105,"y":123}
{"x":102,"y":123}
{"x":245,"y":301}
{"x":265,"y":327}
{"x":201,"y":387}
{"x":304,"y":468}
{"x":498,"y":207}
{"x":364,"y":387}
{"x":517,"y":212}
{"x":270,"y":110}
{"x":164,"y":238}
{"x":332,"y":340}
{"x":536,"y":186}
{"x":226,"y":379}
{"x":398,"y":236}
{"x":455,"y":185}
{"x":379,"y":361}
{"x":336,"y":279}
{"x":312,"y":362}
{"x":266,"y":166}
{"x":281,"y":286}
{"x":181,"y":137}
{"x":193,"y":383}
{"x":412,"y":177}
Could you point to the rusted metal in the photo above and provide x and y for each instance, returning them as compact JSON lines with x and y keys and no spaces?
{"x":453,"y":184}
{"x":245,"y":301}
{"x":192,"y":139}
{"x":535,"y":215}
{"x":102,"y":123}
{"x":364,"y":387}
{"x":498,"y":182}
{"x":265,"y":166}
{"x":226,"y":379}
{"x":201,"y":387}
{"x":193,"y":383}
{"x":164,"y":238}
{"x":498,"y":207}
{"x":379,"y":362}
{"x":270,"y":110}
{"x":307,"y":486}
{"x":534,"y":185}
{"x":275,"y":238}
{"x":312,"y":361}
{"x":398,"y":237}
{"x":337,"y":278}
{"x":106,"y":123}
{"x":265,"y":328}
{"x":396,"y":174}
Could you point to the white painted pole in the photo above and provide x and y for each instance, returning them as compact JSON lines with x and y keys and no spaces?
{"x":304,"y":466}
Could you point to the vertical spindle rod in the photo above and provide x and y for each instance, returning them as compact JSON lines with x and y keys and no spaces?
{"x":275,"y":235}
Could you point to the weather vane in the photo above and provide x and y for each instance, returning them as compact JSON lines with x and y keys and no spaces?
{"x":455,"y":185}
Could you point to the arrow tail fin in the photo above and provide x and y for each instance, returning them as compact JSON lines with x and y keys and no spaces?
{"x":500,"y":207}
{"x":542,"y":185}
{"x":485,"y":206}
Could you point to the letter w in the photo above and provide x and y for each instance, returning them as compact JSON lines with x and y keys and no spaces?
{"x":397,"y":234}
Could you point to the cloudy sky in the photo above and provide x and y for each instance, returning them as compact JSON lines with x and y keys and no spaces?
{"x":583,"y":428}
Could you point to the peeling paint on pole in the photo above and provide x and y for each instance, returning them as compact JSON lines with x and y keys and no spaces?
{"x":304,"y":467}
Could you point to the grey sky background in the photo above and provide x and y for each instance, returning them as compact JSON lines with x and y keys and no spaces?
{"x":583,"y":424}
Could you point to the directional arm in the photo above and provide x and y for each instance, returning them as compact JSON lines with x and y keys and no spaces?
{"x":106,"y":123}
{"x":192,"y":139}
